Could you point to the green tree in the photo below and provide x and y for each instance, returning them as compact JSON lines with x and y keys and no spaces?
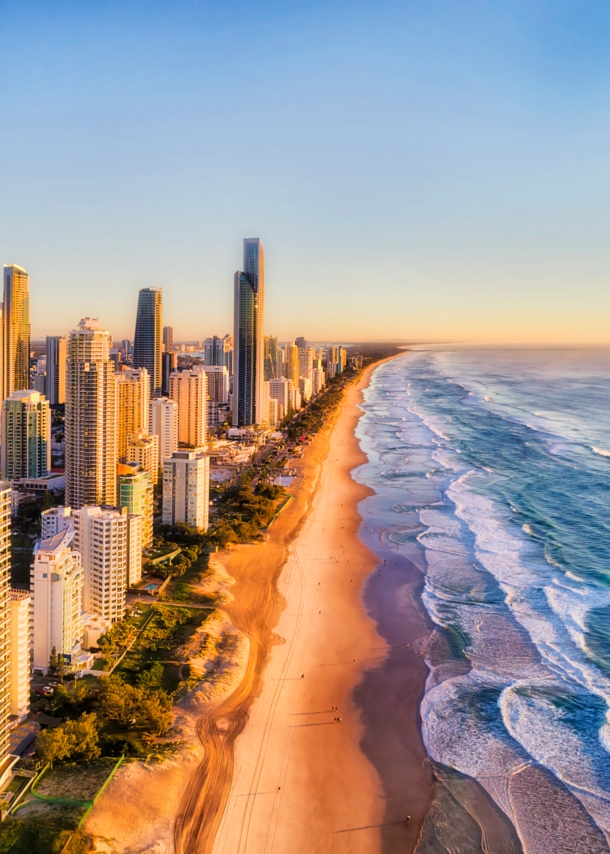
{"x":83,"y":736}
{"x":53,"y":661}
{"x":151,"y":677}
{"x":53,"y":745}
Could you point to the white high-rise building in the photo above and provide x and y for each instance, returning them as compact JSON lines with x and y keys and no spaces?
{"x":55,"y":520}
{"x":186,"y":489}
{"x":102,"y":539}
{"x":20,"y":653}
{"x":56,"y":587}
{"x":164,"y":424}
{"x":189,"y":390}
{"x":91,"y":435}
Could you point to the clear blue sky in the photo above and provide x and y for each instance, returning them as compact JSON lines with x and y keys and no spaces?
{"x":416,"y":169}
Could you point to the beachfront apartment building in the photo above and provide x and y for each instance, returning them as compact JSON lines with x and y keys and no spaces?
{"x":186,"y":489}
{"x":102,"y":537}
{"x":56,"y":588}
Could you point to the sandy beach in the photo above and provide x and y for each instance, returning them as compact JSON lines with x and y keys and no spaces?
{"x":304,"y":782}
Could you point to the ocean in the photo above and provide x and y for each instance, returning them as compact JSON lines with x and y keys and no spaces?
{"x":491,"y":472}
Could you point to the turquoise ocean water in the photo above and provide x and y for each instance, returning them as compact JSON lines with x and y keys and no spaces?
{"x":491,"y":472}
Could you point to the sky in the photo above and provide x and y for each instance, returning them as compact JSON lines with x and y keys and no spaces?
{"x":417,"y":170}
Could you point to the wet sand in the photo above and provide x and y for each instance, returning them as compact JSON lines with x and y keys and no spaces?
{"x":303,"y":782}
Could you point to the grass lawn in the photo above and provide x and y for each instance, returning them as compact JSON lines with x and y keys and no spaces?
{"x":79,"y":781}
{"x":42,"y":829}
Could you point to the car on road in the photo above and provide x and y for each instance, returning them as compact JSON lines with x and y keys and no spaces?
{"x":46,"y":691}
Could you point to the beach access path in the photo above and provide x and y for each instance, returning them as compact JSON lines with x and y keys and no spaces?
{"x":299,"y":779}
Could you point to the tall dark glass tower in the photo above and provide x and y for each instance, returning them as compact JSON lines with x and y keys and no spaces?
{"x":248,"y":357}
{"x":147,"y":342}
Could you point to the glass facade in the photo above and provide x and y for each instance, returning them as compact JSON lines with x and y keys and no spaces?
{"x":147,"y":343}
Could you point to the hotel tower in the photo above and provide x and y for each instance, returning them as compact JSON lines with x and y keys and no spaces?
{"x":148,"y":338}
{"x":16,"y":331}
{"x":90,"y":429}
{"x":248,"y":356}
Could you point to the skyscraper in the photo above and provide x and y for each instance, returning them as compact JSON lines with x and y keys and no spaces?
{"x":57,"y":353}
{"x":26,"y":436}
{"x":90,"y":428}
{"x":16,"y":330}
{"x":168,"y":338}
{"x":147,"y":343}
{"x":248,"y":354}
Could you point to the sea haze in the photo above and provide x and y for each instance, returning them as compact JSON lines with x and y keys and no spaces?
{"x":491,"y":472}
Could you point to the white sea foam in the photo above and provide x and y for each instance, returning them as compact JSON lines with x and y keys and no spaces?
{"x":601,"y":452}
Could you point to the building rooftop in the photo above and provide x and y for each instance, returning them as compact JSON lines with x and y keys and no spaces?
{"x":55,"y":543}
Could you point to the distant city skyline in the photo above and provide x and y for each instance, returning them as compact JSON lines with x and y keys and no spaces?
{"x":418,"y":171}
